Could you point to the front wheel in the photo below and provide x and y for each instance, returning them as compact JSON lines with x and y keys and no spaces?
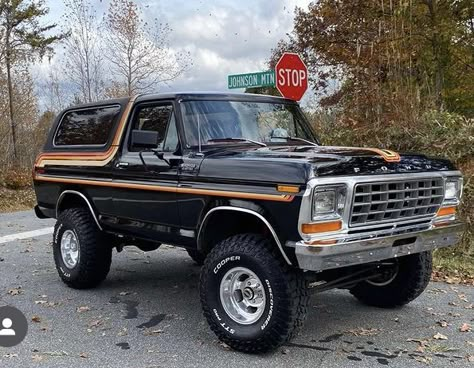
{"x":251,"y":299}
{"x":410,"y":277}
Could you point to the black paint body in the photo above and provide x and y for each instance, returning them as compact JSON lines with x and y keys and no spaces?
{"x":175,"y":218}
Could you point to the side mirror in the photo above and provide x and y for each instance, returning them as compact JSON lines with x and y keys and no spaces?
{"x":144,"y":139}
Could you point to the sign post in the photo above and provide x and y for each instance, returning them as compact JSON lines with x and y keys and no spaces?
{"x":290,"y":77}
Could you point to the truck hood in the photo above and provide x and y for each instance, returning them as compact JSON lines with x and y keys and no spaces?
{"x":297,"y":164}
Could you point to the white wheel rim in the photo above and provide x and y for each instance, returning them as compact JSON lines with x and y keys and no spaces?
{"x":70,"y":249}
{"x":242,"y":295}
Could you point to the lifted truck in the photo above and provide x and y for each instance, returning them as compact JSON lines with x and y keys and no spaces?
{"x":242,"y":182}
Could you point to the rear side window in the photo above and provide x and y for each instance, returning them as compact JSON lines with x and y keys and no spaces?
{"x":86,"y":126}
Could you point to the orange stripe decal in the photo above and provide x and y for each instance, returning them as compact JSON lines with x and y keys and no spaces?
{"x":158,"y":188}
{"x":88,"y":158}
{"x":387,"y":155}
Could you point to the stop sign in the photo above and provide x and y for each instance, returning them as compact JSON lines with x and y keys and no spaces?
{"x":291,"y":76}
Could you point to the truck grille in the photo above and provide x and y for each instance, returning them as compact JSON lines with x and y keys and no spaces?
{"x":381,"y":202}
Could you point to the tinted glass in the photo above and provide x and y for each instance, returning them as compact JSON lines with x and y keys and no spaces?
{"x":258,"y":121}
{"x":159,"y":119}
{"x":87,"y":126}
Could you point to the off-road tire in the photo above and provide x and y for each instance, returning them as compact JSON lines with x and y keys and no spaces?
{"x":95,"y":253}
{"x":285,"y":289}
{"x":196,"y":256}
{"x":414,"y":272}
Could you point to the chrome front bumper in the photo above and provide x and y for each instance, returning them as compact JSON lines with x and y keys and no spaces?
{"x":323,"y":257}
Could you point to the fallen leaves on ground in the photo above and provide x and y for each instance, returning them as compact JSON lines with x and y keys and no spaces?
{"x":149,"y":332}
{"x":465,"y":327}
{"x":56,"y":353}
{"x":224,"y":345}
{"x":83,"y":309}
{"x":96,"y":323}
{"x":37,"y":358}
{"x":15,"y":291}
{"x":84,"y":355}
{"x":423,"y":359}
{"x":453,"y":278}
{"x":364,"y":331}
{"x":439,"y":336}
{"x":442,"y":323}
{"x":36,"y":319}
{"x":10,"y":355}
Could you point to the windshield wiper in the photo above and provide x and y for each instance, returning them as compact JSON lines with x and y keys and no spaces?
{"x":230,"y":139}
{"x":299,"y":139}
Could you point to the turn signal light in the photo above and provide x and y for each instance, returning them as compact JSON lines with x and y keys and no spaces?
{"x":321,"y":227}
{"x":446,"y":211}
{"x":288,"y":188}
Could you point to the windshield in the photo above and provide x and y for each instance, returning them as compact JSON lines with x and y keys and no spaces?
{"x":212,"y":122}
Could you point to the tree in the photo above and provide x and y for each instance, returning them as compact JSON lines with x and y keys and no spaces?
{"x":271,"y":91}
{"x":139,"y":53}
{"x":83,"y":58}
{"x":22,"y":38}
{"x":391,"y":59}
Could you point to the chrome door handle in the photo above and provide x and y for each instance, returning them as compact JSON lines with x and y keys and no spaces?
{"x":121,"y":164}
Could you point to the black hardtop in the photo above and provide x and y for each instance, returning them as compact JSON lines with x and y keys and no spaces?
{"x":197,"y":95}
{"x":183,"y":96}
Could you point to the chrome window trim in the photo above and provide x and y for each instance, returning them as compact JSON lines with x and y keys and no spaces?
{"x":58,"y":203}
{"x":245,"y":210}
{"x":350,"y":181}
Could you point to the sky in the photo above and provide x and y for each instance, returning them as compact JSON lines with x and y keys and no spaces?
{"x":223,"y":37}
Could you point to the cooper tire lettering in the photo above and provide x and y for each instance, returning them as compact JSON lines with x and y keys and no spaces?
{"x":224,"y":261}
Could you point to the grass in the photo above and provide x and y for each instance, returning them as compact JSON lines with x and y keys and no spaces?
{"x":16,"y":200}
{"x":453,"y":267}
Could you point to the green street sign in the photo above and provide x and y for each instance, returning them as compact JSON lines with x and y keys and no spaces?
{"x":248,"y":80}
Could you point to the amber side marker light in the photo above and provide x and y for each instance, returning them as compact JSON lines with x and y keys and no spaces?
{"x":321,"y":227}
{"x":288,"y":188}
{"x":446,"y":211}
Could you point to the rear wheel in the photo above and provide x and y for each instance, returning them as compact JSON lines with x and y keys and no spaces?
{"x":398,"y":285}
{"x":81,"y":252}
{"x":250,"y":297}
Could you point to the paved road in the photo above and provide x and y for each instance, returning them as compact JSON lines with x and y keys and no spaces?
{"x":147,"y":314}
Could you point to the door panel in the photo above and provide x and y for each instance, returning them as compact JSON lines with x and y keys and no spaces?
{"x":146,"y":205}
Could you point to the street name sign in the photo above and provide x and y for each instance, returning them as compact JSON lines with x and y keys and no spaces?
{"x":250,"y":80}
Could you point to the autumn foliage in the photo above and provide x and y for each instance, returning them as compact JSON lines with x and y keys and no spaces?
{"x":394,"y":74}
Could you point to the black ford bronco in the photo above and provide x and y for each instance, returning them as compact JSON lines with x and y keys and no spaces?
{"x":242,"y":182}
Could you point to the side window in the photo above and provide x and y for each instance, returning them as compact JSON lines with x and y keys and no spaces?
{"x":86,"y":126}
{"x":160,"y":119}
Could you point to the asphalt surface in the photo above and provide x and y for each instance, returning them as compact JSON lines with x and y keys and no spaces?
{"x":147,"y":314}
